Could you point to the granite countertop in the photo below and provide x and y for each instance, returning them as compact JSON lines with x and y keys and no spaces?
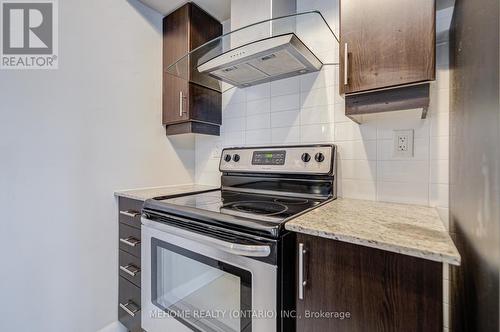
{"x":401,"y":228}
{"x":143,"y":194}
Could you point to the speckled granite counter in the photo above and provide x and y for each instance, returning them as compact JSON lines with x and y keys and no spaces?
{"x":146,"y":193}
{"x":406,"y":229}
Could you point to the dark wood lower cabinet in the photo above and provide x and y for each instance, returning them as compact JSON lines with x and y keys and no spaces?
{"x":351,"y":288}
{"x":129,"y":269}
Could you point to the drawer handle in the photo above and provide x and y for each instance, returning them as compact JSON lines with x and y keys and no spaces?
{"x":130,"y":241}
{"x":134,"y":310}
{"x":130,"y":213}
{"x":130,"y":269}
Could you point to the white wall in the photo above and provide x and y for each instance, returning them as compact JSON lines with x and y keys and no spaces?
{"x":68,"y":139}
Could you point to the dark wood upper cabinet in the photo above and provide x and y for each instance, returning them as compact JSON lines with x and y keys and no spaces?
{"x":192,"y":103}
{"x":387,"y":51}
{"x":381,"y":291}
{"x":386,"y":43}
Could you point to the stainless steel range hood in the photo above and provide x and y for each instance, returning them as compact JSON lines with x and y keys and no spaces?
{"x":261,"y":61}
{"x":261,"y":52}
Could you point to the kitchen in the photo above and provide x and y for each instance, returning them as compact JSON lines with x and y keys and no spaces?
{"x":313,"y":165}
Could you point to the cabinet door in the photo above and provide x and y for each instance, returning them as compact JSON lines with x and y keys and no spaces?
{"x":381,"y":291}
{"x":175,"y":99}
{"x":386,"y":43}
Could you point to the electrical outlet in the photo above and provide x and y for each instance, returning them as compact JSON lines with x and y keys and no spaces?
{"x":403,"y":143}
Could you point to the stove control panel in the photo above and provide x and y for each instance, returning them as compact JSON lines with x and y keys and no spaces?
{"x":311,"y":159}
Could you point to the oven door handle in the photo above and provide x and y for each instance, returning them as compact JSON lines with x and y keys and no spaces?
{"x":232,"y":248}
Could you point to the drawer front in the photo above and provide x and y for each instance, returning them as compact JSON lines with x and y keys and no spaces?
{"x":130,"y":212}
{"x":130,"y":240}
{"x":129,"y":306}
{"x":130,"y":268}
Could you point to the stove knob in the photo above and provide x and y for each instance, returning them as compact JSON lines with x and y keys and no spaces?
{"x":319,"y":157}
{"x":227,"y":158}
{"x":306,"y":157}
{"x":236,"y":158}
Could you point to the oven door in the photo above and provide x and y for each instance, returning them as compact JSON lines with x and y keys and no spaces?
{"x":192,"y":282}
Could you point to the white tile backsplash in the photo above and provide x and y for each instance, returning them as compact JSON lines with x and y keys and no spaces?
{"x":285,"y":102}
{"x":316,"y":133}
{"x":285,"y":119}
{"x":285,"y":135}
{"x":316,"y":115}
{"x":258,"y":137}
{"x":258,"y":106}
{"x":259,"y":121}
{"x":308,"y":109}
{"x":287,"y":86}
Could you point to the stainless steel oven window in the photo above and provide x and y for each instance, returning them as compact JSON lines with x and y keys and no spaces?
{"x":202,"y":293}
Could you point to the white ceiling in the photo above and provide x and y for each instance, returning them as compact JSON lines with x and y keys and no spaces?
{"x":220,"y":9}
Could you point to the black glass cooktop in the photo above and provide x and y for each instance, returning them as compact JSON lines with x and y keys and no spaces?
{"x":253,"y":206}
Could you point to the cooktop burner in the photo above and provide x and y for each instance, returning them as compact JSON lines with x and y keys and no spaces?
{"x":260,"y":207}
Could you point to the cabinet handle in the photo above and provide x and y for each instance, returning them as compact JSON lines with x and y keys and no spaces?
{"x":127,"y":310}
{"x":130,"y":269}
{"x":130,"y":241}
{"x":181,"y":103}
{"x":130,"y":213}
{"x":346,"y":65}
{"x":302,"y":282}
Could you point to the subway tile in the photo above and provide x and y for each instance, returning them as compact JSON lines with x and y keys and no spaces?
{"x":438,"y":195}
{"x":358,"y":150}
{"x":440,"y":123}
{"x":285,"y":119}
{"x":286,"y":86}
{"x":403,"y":171}
{"x":414,"y":193}
{"x":348,"y":131}
{"x":210,"y":178}
{"x":285,"y":135}
{"x":258,"y":106}
{"x":316,"y":133}
{"x":359,"y":189}
{"x":234,"y":110}
{"x":258,"y":137}
{"x":316,"y":115}
{"x":285,"y":103}
{"x":339,"y":113}
{"x":233,"y":124}
{"x":259,"y":121}
{"x":440,"y":171}
{"x":317,"y":97}
{"x":260,"y":91}
{"x":233,"y":96}
{"x":440,"y":147}
{"x":420,"y":149}
{"x":402,"y":120}
{"x":235,"y":138}
{"x":358,"y":169}
{"x":324,"y":78}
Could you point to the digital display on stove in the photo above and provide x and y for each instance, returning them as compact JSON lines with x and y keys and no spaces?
{"x":269,"y":157}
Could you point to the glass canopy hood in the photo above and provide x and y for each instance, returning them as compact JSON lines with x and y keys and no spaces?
{"x":262,"y":52}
